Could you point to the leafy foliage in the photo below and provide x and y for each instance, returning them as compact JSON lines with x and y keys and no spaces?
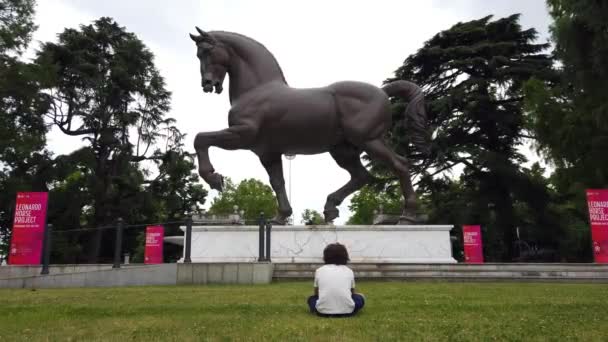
{"x":369,"y":199}
{"x":175,"y":191}
{"x":16,"y":25}
{"x":569,"y":116}
{"x":24,"y":163}
{"x":311,"y":217}
{"x":250,"y":195}
{"x":473,"y":76}
{"x":101,"y":84}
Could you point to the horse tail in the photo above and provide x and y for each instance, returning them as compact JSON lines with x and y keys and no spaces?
{"x":415,"y":112}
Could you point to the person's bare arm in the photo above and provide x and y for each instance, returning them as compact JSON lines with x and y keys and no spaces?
{"x":317,"y":291}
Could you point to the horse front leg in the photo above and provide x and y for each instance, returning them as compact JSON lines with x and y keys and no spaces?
{"x":233,"y":138}
{"x":274,"y":167}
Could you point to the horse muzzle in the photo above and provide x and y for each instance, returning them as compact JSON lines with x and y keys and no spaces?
{"x":209,"y":87}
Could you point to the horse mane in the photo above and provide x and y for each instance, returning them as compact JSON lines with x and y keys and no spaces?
{"x":229,"y":35}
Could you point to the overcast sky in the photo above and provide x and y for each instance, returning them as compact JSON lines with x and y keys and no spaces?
{"x":315,"y":42}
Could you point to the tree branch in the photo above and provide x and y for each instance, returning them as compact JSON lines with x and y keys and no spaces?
{"x":142,"y":158}
{"x":76,"y":132}
{"x":514,"y":99}
{"x":526,"y":136}
{"x":469,"y":164}
{"x":143,"y":155}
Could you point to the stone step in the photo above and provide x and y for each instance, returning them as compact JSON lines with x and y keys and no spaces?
{"x":532,"y":272}
{"x":374,"y":274}
{"x":452,"y":267}
{"x":463,"y":278}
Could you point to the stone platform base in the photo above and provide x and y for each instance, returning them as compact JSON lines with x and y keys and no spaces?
{"x":224,"y":273}
{"x":305,"y":244}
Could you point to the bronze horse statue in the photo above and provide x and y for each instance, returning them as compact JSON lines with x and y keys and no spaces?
{"x":270,"y":118}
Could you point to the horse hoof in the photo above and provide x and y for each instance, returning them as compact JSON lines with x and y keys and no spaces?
{"x":279,"y":221}
{"x":216,"y":181}
{"x":412,"y":219}
{"x":331,"y":215}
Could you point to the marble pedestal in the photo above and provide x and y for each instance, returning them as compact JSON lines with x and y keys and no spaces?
{"x":305,"y":244}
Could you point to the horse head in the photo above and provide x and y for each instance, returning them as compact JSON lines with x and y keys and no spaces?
{"x":214,"y":58}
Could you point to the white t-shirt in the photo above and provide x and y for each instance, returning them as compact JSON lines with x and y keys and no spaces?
{"x":335,"y":283}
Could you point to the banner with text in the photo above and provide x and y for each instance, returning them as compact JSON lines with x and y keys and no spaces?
{"x":154,"y":244}
{"x":597,"y":200}
{"x":28,"y":228}
{"x":473,"y":248}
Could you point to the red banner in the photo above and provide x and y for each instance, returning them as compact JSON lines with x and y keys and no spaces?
{"x":473,"y":247}
{"x":29,"y":223}
{"x":154,"y":244}
{"x":597,"y":200}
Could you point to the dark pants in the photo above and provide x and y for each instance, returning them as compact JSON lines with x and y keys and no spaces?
{"x":357,"y":298}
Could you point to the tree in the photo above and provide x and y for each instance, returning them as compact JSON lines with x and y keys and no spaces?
{"x":580,"y":34}
{"x":473,"y":76}
{"x":165,"y":198}
{"x":568,"y":116}
{"x":176,"y":192}
{"x":312,"y":217}
{"x":24,"y":164}
{"x":250,"y":195}
{"x":176,"y":185}
{"x":16,"y":25}
{"x":102,"y":85}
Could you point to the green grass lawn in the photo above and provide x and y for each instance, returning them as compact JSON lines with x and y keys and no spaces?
{"x":277,"y":312}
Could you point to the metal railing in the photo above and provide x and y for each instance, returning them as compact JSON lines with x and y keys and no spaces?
{"x":265,"y":229}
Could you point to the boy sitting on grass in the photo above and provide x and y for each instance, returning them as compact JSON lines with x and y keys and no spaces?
{"x":335,"y":285}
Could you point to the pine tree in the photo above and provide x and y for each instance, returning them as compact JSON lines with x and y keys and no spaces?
{"x":473,"y":76}
{"x":102,"y":85}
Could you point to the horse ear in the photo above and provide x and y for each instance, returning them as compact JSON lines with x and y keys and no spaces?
{"x":204,"y":36}
{"x":195,"y":38}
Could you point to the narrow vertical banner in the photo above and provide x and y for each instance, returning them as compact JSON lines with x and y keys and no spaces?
{"x":154,"y":245}
{"x":28,"y":228}
{"x":597,"y":200}
{"x":473,"y":247}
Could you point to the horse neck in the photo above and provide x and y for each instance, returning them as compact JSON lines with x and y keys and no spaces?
{"x":251,"y":64}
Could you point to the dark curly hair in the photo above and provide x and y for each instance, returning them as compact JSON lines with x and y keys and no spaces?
{"x":335,"y":253}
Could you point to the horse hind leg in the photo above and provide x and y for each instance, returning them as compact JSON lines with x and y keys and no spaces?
{"x":378,"y":150}
{"x":348,"y":158}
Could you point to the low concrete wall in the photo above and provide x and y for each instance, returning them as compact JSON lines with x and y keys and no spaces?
{"x":137,"y":275}
{"x":264,"y":273}
{"x":164,"y":274}
{"x":224,"y":273}
{"x":10,"y":271}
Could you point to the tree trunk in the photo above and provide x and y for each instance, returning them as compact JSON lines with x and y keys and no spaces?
{"x":505,"y":220}
{"x":101,"y":198}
